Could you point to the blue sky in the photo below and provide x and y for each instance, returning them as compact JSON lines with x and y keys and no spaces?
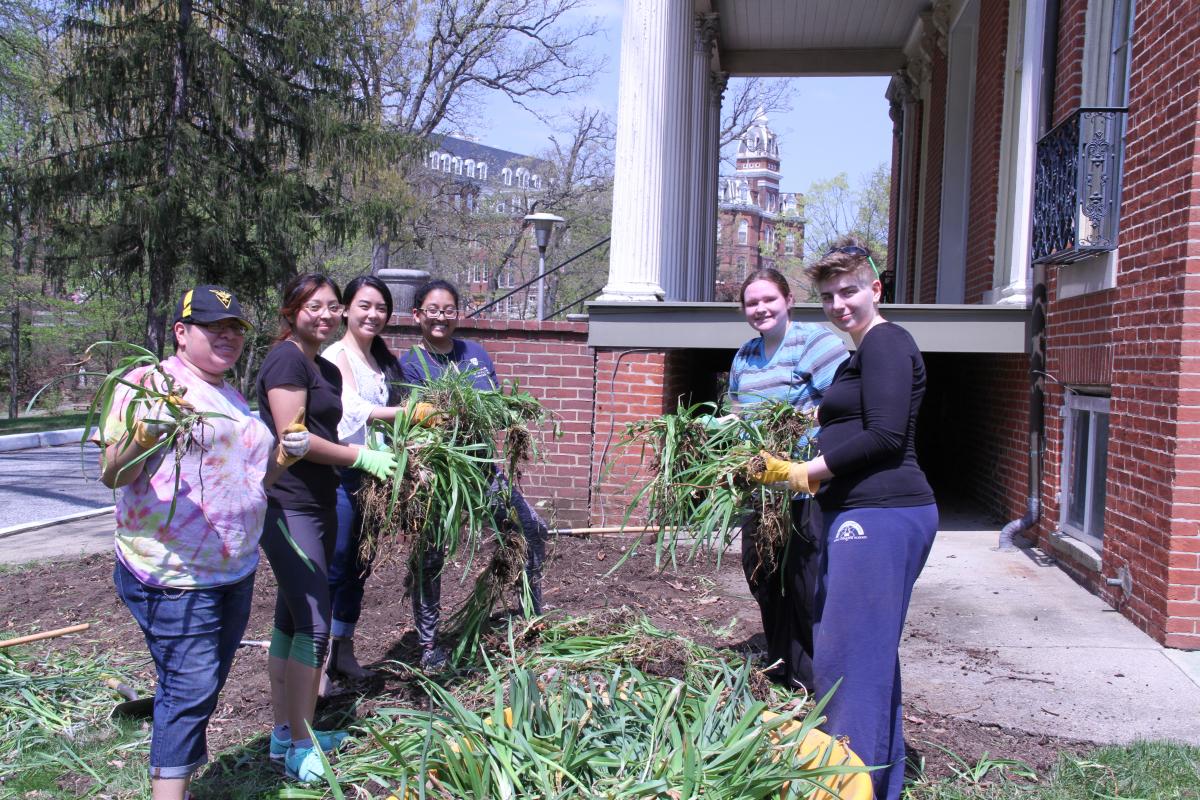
{"x":836,"y":125}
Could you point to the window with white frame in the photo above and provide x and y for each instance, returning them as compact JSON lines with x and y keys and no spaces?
{"x":741,"y":269}
{"x":445,"y":162}
{"x":482,"y":171}
{"x":434,"y":160}
{"x":789,"y":244}
{"x":469,"y":165}
{"x":1084,"y":467}
{"x":743,"y":231}
{"x":456,"y":162}
{"x":506,"y":176}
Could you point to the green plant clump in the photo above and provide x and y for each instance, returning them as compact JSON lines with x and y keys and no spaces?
{"x":574,"y":718}
{"x":700,"y":471}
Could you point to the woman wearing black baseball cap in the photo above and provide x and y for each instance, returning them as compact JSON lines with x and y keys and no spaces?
{"x":185,"y":563}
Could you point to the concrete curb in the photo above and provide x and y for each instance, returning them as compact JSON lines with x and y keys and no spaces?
{"x":26,"y":527}
{"x":28,"y":441}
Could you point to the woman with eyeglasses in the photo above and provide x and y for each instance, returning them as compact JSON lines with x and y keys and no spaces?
{"x":791,"y":362}
{"x":879,"y":512}
{"x":301,"y":524}
{"x":435,"y":311}
{"x":189,"y":581}
{"x":371,"y":381}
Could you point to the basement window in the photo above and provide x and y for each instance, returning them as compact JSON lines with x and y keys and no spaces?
{"x":1084,"y":467}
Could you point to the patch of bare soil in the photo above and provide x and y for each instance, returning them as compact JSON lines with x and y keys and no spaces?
{"x":701,"y":601}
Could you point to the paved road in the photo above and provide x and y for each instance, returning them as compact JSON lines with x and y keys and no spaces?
{"x":49,"y":482}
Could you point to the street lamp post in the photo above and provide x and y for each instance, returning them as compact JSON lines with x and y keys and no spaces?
{"x":543,"y":226}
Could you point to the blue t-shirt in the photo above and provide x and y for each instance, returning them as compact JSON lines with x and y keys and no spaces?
{"x":798,"y":372}
{"x":419,"y":366}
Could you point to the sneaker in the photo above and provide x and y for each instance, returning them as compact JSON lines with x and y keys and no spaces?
{"x":304,"y":764}
{"x":433,"y":659}
{"x":329,"y":741}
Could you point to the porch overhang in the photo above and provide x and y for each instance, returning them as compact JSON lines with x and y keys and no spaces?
{"x":941,"y":328}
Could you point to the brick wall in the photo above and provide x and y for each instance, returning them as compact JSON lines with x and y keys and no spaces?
{"x":553,"y":362}
{"x":934,"y":149}
{"x":1144,"y":333}
{"x":1068,"y":72}
{"x":985,"y":149}
{"x":914,"y":199}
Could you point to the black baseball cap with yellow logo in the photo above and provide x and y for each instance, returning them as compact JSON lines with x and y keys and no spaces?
{"x":206,"y":304}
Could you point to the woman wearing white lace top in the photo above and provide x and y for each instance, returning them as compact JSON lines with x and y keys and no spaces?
{"x":370,"y":391}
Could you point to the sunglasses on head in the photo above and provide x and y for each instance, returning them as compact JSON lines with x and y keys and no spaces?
{"x":857,"y":252}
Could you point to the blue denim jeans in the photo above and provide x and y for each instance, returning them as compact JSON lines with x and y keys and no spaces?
{"x":348,"y":573}
{"x":192,"y":635}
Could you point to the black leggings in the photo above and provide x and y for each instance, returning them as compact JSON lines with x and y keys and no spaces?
{"x":299,"y":546}
{"x":786,"y":594}
{"x":427,"y":587}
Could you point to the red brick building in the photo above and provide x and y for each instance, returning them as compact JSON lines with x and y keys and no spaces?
{"x":1045,"y":241}
{"x":758,"y":226}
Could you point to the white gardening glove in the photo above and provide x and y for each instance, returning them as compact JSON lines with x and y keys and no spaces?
{"x":294,"y":441}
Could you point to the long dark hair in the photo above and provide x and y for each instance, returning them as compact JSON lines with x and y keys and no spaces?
{"x":383,"y":356}
{"x":296,"y":294}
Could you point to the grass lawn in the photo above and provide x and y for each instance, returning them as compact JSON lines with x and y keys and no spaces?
{"x":42,"y":422}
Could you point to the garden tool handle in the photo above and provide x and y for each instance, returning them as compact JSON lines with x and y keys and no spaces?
{"x":34,"y":637}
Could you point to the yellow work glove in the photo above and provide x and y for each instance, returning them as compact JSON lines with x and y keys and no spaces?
{"x":795,"y":474}
{"x":293,"y":441}
{"x":426,"y":414}
{"x":159,"y":420}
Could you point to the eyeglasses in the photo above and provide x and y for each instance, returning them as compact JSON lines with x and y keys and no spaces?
{"x":317,"y":308}
{"x":232,"y":327}
{"x":449,"y":312}
{"x":857,"y":252}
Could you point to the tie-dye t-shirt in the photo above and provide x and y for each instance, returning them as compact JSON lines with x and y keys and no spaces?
{"x":212,"y":540}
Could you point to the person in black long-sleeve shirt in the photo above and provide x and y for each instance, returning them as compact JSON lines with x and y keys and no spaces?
{"x":879,"y":513}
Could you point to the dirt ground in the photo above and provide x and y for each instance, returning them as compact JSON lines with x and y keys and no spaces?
{"x":701,"y":601}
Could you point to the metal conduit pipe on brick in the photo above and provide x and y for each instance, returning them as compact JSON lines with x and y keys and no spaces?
{"x":1037,"y":377}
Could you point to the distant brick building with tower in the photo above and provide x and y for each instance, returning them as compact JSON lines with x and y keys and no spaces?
{"x":757,"y":225}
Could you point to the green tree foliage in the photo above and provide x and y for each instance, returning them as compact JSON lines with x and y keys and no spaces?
{"x":431,"y":66}
{"x":212,"y":141}
{"x":833,"y":208}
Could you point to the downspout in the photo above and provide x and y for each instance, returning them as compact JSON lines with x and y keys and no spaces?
{"x":1037,"y":371}
{"x":1037,"y":317}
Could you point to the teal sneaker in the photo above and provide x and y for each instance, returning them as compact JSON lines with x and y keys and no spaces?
{"x":329,"y":741}
{"x":304,"y":764}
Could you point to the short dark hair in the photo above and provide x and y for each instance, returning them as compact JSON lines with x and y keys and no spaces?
{"x":424,"y":290}
{"x":839,"y":262}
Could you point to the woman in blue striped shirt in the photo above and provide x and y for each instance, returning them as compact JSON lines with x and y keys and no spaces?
{"x":794,"y":362}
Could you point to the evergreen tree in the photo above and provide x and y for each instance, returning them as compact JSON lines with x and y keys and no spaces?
{"x":213,"y":141}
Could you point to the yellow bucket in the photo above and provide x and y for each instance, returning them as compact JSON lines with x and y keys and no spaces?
{"x":827,"y":751}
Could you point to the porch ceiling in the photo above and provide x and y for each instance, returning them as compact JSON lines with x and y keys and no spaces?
{"x":814,"y":37}
{"x":941,"y":328}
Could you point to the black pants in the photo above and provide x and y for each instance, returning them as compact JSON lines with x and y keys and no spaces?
{"x":786,"y":593}
{"x":427,"y":587}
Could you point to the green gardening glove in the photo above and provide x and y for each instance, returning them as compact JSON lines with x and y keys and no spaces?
{"x":380,"y":463}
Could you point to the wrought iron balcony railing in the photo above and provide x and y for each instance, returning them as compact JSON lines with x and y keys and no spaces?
{"x":1077,"y":188}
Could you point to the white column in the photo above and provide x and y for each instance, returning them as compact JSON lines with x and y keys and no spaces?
{"x":648,"y":221}
{"x":712,"y":178}
{"x":1018,"y":153}
{"x":697,"y":196}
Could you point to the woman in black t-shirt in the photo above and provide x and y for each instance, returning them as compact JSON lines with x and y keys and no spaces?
{"x":301,"y":524}
{"x":879,"y":513}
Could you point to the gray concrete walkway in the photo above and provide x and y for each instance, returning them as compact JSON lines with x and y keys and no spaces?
{"x":1006,"y":637}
